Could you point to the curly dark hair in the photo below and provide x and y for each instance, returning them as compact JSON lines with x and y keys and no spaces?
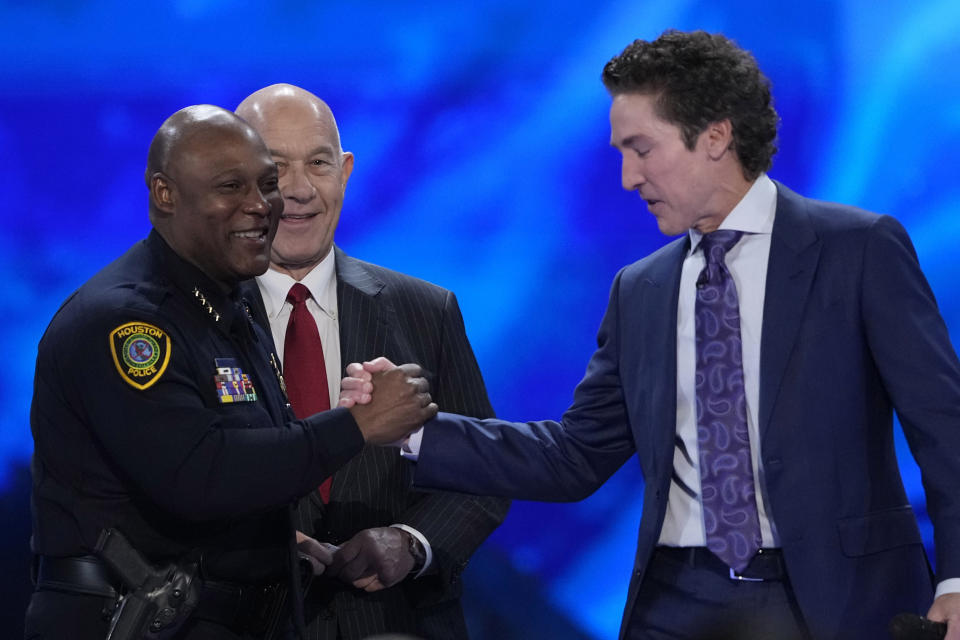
{"x":701,"y":78}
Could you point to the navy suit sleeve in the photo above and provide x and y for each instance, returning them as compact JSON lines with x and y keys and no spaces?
{"x":911,"y":346}
{"x":545,"y":460}
{"x":454,"y":524}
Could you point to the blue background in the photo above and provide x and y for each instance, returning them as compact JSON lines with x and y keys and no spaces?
{"x":482,"y":164}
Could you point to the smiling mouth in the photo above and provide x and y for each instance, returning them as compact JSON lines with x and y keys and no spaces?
{"x":298,"y":216}
{"x":252,"y":234}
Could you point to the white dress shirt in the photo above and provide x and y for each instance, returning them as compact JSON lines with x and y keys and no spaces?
{"x":322,"y":283}
{"x":747,"y":263}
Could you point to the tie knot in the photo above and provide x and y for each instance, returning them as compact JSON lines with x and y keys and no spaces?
{"x":297,"y":294}
{"x":716,"y":244}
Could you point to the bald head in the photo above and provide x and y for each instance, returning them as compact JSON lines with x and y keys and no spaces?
{"x":287,"y":101}
{"x":191,"y":126}
{"x":213,"y":192}
{"x":302,"y":138}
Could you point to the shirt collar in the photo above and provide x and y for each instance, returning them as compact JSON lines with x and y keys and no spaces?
{"x":321,"y":281}
{"x":194,"y":283}
{"x":753,"y":214}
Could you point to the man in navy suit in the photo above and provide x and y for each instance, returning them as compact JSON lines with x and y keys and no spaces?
{"x":790,"y":520}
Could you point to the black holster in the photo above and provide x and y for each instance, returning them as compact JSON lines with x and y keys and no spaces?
{"x":157,"y":602}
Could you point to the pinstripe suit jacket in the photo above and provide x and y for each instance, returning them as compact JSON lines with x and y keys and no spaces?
{"x":386,"y":313}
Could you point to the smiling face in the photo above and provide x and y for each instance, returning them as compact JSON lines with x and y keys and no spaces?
{"x":218,"y":202}
{"x":682,"y":187}
{"x":302,"y":137}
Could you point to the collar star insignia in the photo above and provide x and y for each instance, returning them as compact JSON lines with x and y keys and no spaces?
{"x":202,"y":299}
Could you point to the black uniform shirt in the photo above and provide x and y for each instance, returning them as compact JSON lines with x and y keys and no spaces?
{"x":157,"y":410}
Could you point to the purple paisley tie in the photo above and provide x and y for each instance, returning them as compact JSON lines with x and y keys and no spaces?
{"x":726,"y":471}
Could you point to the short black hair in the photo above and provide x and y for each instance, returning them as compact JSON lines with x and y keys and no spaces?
{"x":700,"y":78}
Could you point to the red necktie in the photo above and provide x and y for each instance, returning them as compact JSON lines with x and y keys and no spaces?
{"x":304,"y":368}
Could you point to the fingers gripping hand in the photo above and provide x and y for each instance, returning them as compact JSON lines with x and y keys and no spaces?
{"x":368,"y":583}
{"x":319,"y":554}
{"x":357,"y":388}
{"x":400,"y":404}
{"x":373,"y":559}
{"x":377,"y":365}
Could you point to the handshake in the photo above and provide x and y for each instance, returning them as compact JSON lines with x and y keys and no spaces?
{"x":388,"y":402}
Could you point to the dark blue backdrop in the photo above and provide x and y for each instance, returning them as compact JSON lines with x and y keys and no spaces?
{"x":482,"y":164}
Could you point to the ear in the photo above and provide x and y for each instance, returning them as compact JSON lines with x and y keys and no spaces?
{"x":346,"y":168}
{"x":162,"y":192}
{"x":718,"y":138}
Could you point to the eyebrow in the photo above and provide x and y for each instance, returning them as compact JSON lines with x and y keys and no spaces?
{"x":237,"y":172}
{"x":629,"y":141}
{"x":316,"y":151}
{"x":226,"y":173}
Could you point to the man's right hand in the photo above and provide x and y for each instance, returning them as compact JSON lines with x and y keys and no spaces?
{"x":400,"y":404}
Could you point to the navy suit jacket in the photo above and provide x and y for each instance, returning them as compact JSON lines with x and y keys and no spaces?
{"x":851,"y":331}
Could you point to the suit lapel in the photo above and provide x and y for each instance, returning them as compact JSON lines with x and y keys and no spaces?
{"x":794,"y":253}
{"x":363,"y":320}
{"x":364,"y":326}
{"x":655,"y":311}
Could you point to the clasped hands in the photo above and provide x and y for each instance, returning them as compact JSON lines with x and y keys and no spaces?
{"x":371,"y":560}
{"x":401,"y":405}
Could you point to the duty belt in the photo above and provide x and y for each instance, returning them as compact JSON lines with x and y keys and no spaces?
{"x":83,"y":574}
{"x":241,"y":607}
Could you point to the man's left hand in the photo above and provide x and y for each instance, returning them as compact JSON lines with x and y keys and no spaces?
{"x":373,"y":559}
{"x":946,"y":608}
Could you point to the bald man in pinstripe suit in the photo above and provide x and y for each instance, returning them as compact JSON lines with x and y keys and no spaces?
{"x":396,"y":554}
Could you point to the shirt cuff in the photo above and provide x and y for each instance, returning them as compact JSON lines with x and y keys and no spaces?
{"x":426,"y":547}
{"x":950,"y":585}
{"x":411,"y":448}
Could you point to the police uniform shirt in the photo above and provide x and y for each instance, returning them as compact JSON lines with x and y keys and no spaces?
{"x":157,"y":410}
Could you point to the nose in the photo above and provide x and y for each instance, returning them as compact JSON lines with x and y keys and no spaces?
{"x":257,"y":203}
{"x":631,"y":173}
{"x":296,"y":185}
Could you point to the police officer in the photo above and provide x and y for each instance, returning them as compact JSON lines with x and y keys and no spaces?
{"x":159,"y":410}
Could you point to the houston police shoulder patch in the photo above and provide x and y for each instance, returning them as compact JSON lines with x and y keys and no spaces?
{"x":141,"y":353}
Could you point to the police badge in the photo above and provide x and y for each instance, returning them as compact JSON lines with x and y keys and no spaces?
{"x":141,"y":353}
